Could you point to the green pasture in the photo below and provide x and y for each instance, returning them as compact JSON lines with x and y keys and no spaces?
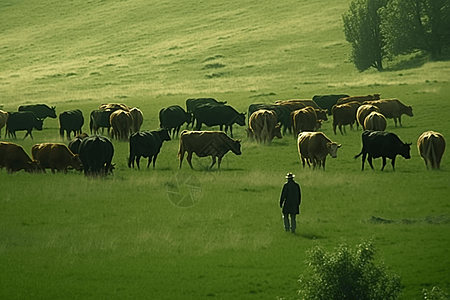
{"x":120,"y":237}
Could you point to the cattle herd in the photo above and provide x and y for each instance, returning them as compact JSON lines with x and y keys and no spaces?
{"x":303,"y":118}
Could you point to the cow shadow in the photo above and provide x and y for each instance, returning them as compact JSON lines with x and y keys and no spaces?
{"x":308,"y":235}
{"x":414,"y":62}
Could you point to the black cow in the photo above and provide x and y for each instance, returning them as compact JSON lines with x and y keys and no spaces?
{"x":382,"y":144}
{"x":283,"y":113}
{"x":22,"y":120}
{"x":41,"y":111}
{"x":172,"y":118}
{"x":146,"y":144}
{"x":96,"y":153}
{"x":212,"y":115}
{"x":99,"y":119}
{"x":74,"y":144}
{"x":70,"y":121}
{"x":191,"y":105}
{"x":327,"y":101}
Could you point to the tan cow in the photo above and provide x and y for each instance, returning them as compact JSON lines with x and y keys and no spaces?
{"x":314,"y":147}
{"x":363,"y":111}
{"x":55,"y":156}
{"x":14,"y":158}
{"x":375,"y":121}
{"x":138,"y":119}
{"x":431,"y":146}
{"x":3,"y":120}
{"x":344,"y":114}
{"x":359,"y":99}
{"x":304,"y":119}
{"x":207,"y":143}
{"x":263,"y":126}
{"x":114,"y":106}
{"x":392,"y":109}
{"x":121,"y":122}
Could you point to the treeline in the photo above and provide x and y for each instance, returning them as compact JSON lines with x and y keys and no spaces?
{"x":383,"y":29}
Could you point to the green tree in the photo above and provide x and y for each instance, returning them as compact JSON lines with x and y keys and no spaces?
{"x":362,"y":28}
{"x":413,"y":25}
{"x":348,"y":274}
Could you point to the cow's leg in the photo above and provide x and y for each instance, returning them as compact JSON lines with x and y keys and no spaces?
{"x":213,"y":162}
{"x":154,"y":160}
{"x":189,"y":159}
{"x":138,"y":159}
{"x":181,"y":156}
{"x":369,"y":159}
{"x":231,"y":130}
{"x":323,"y":163}
{"x":384,"y":162}
{"x":218,"y":162}
{"x":363,"y":160}
{"x":393,"y":163}
{"x":400,"y":121}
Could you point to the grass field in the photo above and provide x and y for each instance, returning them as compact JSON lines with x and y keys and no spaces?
{"x":71,"y":237}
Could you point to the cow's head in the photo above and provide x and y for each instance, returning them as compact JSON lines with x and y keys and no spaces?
{"x":34,"y":167}
{"x":333,"y":148}
{"x":75,"y":162}
{"x":277,"y":131}
{"x":38,"y":124}
{"x":405,"y":150}
{"x":164,"y":134}
{"x":240,"y":119}
{"x":408,"y":111}
{"x":236,"y":147}
{"x":52,"y":112}
{"x":322,"y":114}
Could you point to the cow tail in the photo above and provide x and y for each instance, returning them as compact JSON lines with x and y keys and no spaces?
{"x":431,"y":152}
{"x":181,"y":150}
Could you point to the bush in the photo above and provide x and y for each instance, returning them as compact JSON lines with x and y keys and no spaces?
{"x":348,"y":274}
{"x":435,"y":294}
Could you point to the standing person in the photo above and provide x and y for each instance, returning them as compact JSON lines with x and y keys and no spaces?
{"x":290,"y":200}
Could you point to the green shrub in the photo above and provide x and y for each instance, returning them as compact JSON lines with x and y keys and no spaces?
{"x":435,"y":294}
{"x":348,"y":274}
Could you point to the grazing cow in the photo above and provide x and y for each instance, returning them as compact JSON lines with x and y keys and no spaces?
{"x":327,"y":101}
{"x":212,"y":115}
{"x":99,"y":119}
{"x":138,"y":119}
{"x":344,"y":114}
{"x":375,"y":121}
{"x":14,"y":158}
{"x":23,"y":120}
{"x":41,"y":111}
{"x":359,"y":99}
{"x":263,"y":126}
{"x":191,"y":105}
{"x":3,"y":120}
{"x":392,"y":109}
{"x":70,"y":121}
{"x":382,"y":144}
{"x":363,"y":111}
{"x":304,"y":119}
{"x":305,"y":102}
{"x":314,"y":147}
{"x":431,"y":146}
{"x":96,"y":153}
{"x":283,"y":113}
{"x":55,"y":156}
{"x":146,"y":144}
{"x":172,"y":118}
{"x":74,"y":144}
{"x":207,"y":143}
{"x":120,"y":124}
{"x":114,"y":106}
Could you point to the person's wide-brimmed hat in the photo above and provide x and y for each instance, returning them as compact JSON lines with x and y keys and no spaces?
{"x":290,"y":176}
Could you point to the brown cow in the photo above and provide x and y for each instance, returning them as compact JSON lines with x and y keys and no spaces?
{"x":304,"y":119}
{"x":375,"y":121}
{"x":14,"y":158}
{"x":392,"y":109}
{"x":359,"y":99}
{"x":3,"y":120}
{"x":121,"y":122}
{"x":114,"y":106}
{"x":138,"y":119}
{"x":431,"y":146}
{"x":344,"y":114}
{"x":314,"y":147}
{"x":263,"y":126}
{"x":207,"y":143}
{"x":305,"y":102}
{"x":363,"y":111}
{"x":56,"y":156}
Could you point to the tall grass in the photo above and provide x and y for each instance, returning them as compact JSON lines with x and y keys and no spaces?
{"x":67,"y":236}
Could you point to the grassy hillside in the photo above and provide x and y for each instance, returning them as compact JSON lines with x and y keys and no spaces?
{"x":120,"y":237}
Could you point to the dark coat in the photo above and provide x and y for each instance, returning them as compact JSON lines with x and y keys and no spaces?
{"x":291,"y":197}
